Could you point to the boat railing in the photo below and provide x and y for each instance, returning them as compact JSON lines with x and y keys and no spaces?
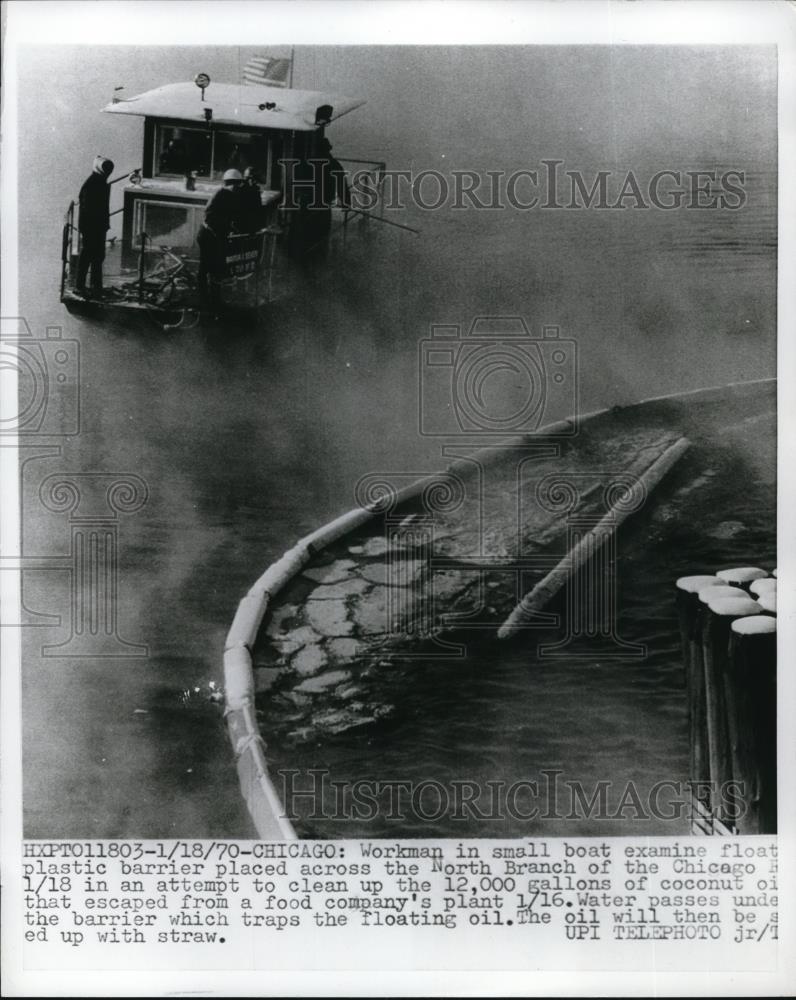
{"x":67,"y":245}
{"x":142,"y":266}
{"x":251,"y":257}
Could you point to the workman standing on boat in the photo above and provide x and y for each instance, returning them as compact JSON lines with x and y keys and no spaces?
{"x":220,"y":217}
{"x":335,"y":181}
{"x":317,"y":183}
{"x":94,"y":222}
{"x":250,"y":210}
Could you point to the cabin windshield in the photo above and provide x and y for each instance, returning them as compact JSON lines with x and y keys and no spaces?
{"x":210,"y":152}
{"x":182,"y":149}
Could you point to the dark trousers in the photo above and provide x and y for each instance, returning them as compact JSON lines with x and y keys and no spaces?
{"x":211,"y":266}
{"x":92,"y":254}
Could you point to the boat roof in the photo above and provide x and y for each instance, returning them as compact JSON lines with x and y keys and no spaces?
{"x":236,"y":105}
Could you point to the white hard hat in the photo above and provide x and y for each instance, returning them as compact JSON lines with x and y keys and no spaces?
{"x":102,"y":165}
{"x":232,"y":175}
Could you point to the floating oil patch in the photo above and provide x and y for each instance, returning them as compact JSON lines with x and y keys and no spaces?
{"x":333,"y":721}
{"x":315,"y":684}
{"x":319,"y":648}
{"x":340,"y":569}
{"x":727,"y":529}
{"x":339,"y":591}
{"x":309,"y":660}
{"x":400,"y":573}
{"x":329,"y":617}
{"x":279,"y":616}
{"x":372,"y":547}
{"x":344,"y":650}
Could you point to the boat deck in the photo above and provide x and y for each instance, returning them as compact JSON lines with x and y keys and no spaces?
{"x":169,"y":285}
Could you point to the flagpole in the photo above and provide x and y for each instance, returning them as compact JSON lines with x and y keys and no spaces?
{"x":292,"y":54}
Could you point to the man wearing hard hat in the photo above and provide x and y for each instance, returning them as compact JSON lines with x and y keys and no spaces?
{"x":94,"y":222}
{"x":221,"y":211}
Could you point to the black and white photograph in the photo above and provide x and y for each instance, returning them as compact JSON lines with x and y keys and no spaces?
{"x":390,"y":439}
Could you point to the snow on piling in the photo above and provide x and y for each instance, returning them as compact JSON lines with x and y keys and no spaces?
{"x":728,"y":637}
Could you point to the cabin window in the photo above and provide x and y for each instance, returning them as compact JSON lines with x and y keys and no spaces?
{"x":240,"y":150}
{"x":179,"y":150}
{"x":167,"y":223}
{"x":209,"y":152}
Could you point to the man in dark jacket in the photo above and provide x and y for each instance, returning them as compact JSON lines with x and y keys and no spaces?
{"x":316,"y":184}
{"x":221,"y":213}
{"x":335,"y":180}
{"x":94,"y":223}
{"x":250,"y":206}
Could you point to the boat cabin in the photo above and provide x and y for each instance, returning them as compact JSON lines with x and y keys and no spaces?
{"x":195,"y":131}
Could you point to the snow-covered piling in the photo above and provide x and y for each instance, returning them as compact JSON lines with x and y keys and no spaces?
{"x":728,"y":636}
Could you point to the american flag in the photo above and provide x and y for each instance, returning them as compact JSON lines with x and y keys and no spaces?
{"x":268,"y":71}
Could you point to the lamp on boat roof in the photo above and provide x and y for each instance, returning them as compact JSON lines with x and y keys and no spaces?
{"x":202,"y":81}
{"x":323,"y":114}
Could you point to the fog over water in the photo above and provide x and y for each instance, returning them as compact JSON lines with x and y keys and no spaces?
{"x":250,"y":438}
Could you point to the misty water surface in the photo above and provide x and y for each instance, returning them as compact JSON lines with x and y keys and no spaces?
{"x":250,"y":438}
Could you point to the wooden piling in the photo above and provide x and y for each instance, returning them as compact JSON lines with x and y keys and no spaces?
{"x":687,"y":599}
{"x":688,"y":613}
{"x":750,"y":692}
{"x":699,"y":773}
{"x":741,"y":576}
{"x":720,"y":614}
{"x":710,"y":593}
{"x":768,"y":602}
{"x":758,"y":587}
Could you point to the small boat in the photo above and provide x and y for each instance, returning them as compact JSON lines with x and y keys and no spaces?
{"x":194,"y":132}
{"x":482,"y":551}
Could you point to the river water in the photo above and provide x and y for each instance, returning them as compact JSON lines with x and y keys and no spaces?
{"x":249,"y":438}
